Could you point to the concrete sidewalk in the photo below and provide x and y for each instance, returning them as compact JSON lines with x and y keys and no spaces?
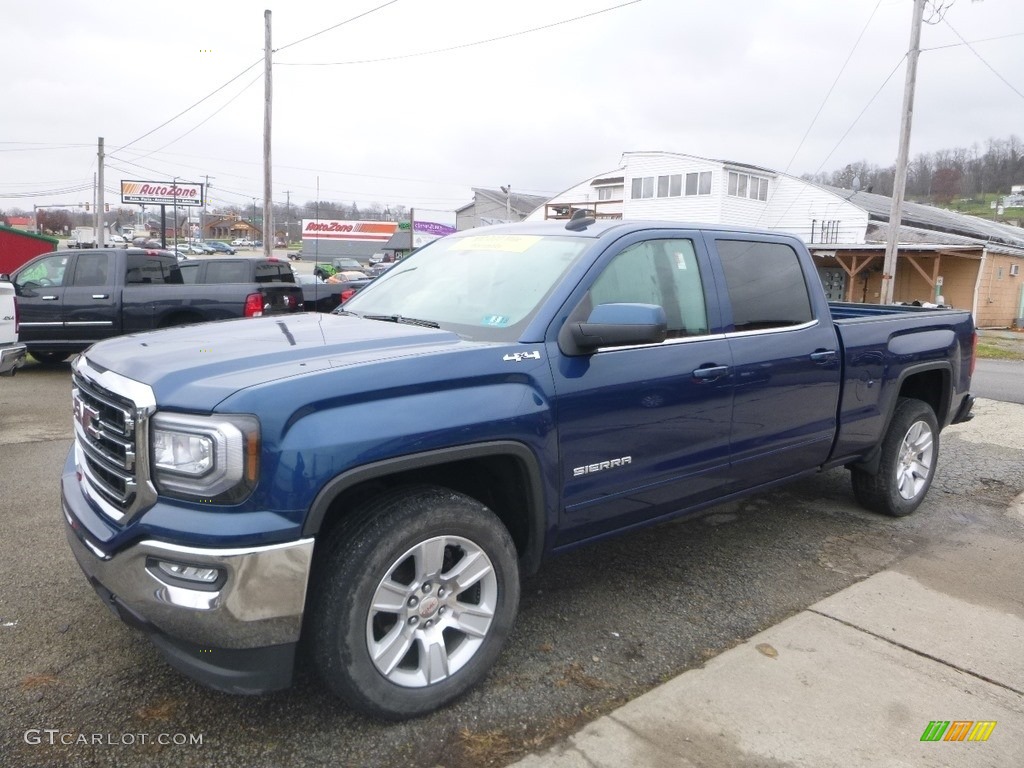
{"x":854,"y":680}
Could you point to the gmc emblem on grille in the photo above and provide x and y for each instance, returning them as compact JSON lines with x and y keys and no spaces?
{"x":88,"y":417}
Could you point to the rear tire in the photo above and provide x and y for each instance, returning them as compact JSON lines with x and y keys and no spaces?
{"x":909,"y":453}
{"x":412,"y":601}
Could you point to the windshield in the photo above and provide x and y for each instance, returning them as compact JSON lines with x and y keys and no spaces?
{"x":484,"y":287}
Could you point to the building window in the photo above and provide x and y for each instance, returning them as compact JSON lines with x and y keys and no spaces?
{"x":610,"y":193}
{"x":643,"y":187}
{"x":671,"y":185}
{"x":745,"y":185}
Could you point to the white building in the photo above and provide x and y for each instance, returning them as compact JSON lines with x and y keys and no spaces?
{"x":971,"y":263}
{"x":677,"y":187}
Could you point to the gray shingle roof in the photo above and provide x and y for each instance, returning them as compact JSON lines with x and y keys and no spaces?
{"x":521,"y":204}
{"x":936,"y":219}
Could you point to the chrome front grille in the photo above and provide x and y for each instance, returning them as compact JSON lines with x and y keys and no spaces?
{"x":110,"y":439}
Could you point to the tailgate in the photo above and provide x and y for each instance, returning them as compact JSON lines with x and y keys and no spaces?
{"x":281,"y":298}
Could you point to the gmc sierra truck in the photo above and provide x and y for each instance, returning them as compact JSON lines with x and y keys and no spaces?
{"x":368,"y":488}
{"x":69,"y":300}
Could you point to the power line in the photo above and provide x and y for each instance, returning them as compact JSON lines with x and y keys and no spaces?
{"x":460,"y":46}
{"x":833,"y":86}
{"x":208,"y":118}
{"x":968,"y":43}
{"x":982,"y":60}
{"x":335,"y":26}
{"x":189,"y":109}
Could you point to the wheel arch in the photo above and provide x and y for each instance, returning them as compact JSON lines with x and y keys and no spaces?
{"x":930,"y":383}
{"x":503,"y":475}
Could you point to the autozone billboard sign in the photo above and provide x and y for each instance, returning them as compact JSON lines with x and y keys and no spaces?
{"x":352,"y":231}
{"x":162,"y":193}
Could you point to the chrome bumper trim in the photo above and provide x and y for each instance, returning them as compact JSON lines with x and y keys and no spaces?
{"x":260,"y":603}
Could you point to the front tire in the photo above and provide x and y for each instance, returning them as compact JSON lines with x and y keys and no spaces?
{"x":910,"y":451}
{"x":412,"y":602}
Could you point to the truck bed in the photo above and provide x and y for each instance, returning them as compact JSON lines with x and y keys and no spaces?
{"x":881,"y":346}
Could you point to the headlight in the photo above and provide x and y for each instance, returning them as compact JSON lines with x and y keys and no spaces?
{"x":205,"y":458}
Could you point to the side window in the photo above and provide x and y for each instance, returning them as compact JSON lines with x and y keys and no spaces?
{"x":45,"y":273}
{"x":92,"y":269}
{"x":662,"y":272}
{"x":766,"y":285}
{"x":189,"y":271}
{"x":152,"y":270}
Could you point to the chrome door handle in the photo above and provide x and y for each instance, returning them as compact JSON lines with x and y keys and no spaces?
{"x":711,"y":372}
{"x":48,"y":298}
{"x":101,"y":295}
{"x":823,"y":356}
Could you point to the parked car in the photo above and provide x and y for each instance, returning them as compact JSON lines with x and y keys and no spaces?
{"x":379,"y":269}
{"x":376,"y":483}
{"x":115,"y":241}
{"x":12,"y":352}
{"x":205,"y":248}
{"x":218,"y":247}
{"x":346,"y":264}
{"x":242,"y":242}
{"x":68,"y":300}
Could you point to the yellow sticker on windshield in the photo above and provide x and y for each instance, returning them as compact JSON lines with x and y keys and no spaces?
{"x":509,"y":243}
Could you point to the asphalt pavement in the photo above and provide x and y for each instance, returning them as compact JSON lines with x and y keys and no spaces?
{"x":917,"y":665}
{"x":599,"y":629}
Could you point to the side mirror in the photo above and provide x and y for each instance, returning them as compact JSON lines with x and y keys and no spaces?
{"x":5,"y":277}
{"x":615,"y":325}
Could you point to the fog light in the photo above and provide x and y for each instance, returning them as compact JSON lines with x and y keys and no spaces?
{"x":190,"y":572}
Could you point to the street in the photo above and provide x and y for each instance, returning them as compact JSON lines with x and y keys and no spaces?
{"x":999,"y":380}
{"x":596,"y":627}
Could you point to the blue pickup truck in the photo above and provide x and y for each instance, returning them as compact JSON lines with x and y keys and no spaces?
{"x":367,"y":489}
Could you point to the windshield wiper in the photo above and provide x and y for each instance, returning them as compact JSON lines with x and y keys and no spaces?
{"x":401,"y":319}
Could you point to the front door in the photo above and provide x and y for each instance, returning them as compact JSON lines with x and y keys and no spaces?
{"x":644,"y":431}
{"x":40,"y":287}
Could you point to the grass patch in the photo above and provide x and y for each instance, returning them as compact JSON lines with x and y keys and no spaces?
{"x":993,"y":350}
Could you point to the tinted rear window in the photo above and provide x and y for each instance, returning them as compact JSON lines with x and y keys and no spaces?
{"x":766,"y":285}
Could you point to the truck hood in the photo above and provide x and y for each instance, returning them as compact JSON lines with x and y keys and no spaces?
{"x":198,"y":366}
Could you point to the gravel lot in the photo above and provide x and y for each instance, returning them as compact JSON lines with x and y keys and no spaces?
{"x":596,"y":627}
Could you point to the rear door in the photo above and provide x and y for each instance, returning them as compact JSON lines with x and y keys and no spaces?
{"x":644,"y":431}
{"x":40,"y":287}
{"x":91,"y":308}
{"x":785,"y":357}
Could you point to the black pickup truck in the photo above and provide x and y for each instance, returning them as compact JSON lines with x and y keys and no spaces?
{"x":69,"y":300}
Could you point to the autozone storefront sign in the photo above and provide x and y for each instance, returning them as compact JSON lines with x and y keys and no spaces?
{"x":162,"y":193}
{"x":355,"y":231}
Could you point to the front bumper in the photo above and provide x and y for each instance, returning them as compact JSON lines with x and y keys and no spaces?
{"x":238,"y":635}
{"x":12,"y":357}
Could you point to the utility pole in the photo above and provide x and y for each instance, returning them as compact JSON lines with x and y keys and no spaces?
{"x":202,"y":217}
{"x":508,"y":203}
{"x":288,"y":216}
{"x":99,"y":195}
{"x":900,"y":182}
{"x":268,"y":94}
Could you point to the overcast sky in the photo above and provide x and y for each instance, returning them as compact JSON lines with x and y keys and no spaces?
{"x":739,"y":80}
